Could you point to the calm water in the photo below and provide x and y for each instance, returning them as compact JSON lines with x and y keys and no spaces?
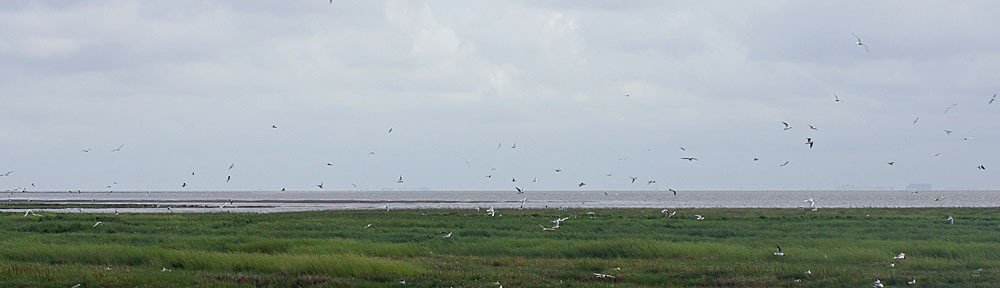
{"x":188,"y":201}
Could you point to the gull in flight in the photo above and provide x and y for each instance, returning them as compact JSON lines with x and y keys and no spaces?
{"x":519,"y":190}
{"x":779,"y":253}
{"x":949,"y":108}
{"x":86,"y":150}
{"x":857,"y":39}
{"x":699,"y":217}
{"x":525,"y":199}
{"x":329,"y":163}
{"x":836,"y":98}
{"x":901,"y":256}
{"x":599,"y":275}
{"x":891,"y":163}
{"x":230,"y":177}
{"x":558,"y":170}
{"x":581,"y":184}
{"x":231,"y":166}
{"x":650,"y":182}
{"x":491,"y":212}
{"x":690,"y":158}
{"x":809,"y":141}
{"x":783,"y":164}
{"x":184,"y":184}
{"x":668,"y":213}
{"x":947,"y":132}
{"x":981,"y":167}
{"x":915,"y":120}
{"x":400,"y":179}
{"x":633,"y":178}
{"x":812,"y":127}
{"x":29,"y":212}
{"x":447,"y":235}
{"x":991,"y":102}
{"x":787,"y":127}
{"x":118,"y":149}
{"x":390,"y":130}
{"x":98,"y":223}
{"x":547,"y":228}
{"x":672,"y":190}
{"x":878,"y":284}
{"x":320,"y":185}
{"x":8,"y":173}
{"x":367,"y":226}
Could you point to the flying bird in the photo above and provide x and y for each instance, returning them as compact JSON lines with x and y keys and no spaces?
{"x":949,"y":220}
{"x":519,"y":190}
{"x":812,"y":127}
{"x":329,"y":163}
{"x":949,"y":108}
{"x":891,"y":163}
{"x":673,"y":191}
{"x":320,"y":185}
{"x":29,"y":212}
{"x":699,"y":217}
{"x":8,"y":173}
{"x":184,"y":184}
{"x":650,"y":182}
{"x":779,"y":253}
{"x":633,"y":178}
{"x":230,"y":177}
{"x":689,"y":158}
{"x":901,"y":256}
{"x":274,"y":126}
{"x":367,"y":226}
{"x":993,"y":99}
{"x":809,"y":141}
{"x":783,"y":164}
{"x":581,"y":184}
{"x":447,"y":235}
{"x":230,"y":167}
{"x":981,"y":167}
{"x":915,"y":120}
{"x":947,"y":132}
{"x":400,"y":179}
{"x":86,"y":150}
{"x":682,"y":148}
{"x":98,"y":223}
{"x":857,"y":40}
{"x":118,"y":149}
{"x":836,"y":98}
{"x":390,"y":130}
{"x":786,"y":126}
{"x":558,"y":170}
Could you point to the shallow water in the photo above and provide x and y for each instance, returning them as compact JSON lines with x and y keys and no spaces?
{"x":256,"y":201}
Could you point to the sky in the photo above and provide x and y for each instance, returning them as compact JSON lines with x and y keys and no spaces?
{"x":492,"y":95}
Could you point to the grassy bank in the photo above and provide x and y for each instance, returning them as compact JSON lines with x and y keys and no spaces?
{"x":639,"y":247}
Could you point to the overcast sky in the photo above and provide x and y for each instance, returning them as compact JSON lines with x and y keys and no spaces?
{"x":589,"y":87}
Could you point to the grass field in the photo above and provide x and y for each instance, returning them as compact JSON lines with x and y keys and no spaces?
{"x":638,"y":247}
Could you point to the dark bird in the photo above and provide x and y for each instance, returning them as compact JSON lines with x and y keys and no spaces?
{"x":650,"y":182}
{"x":915,"y":120}
{"x":230,"y":177}
{"x":981,"y":167}
{"x":993,"y":99}
{"x":329,"y":163}
{"x":184,"y":184}
{"x":390,"y":130}
{"x":400,"y":179}
{"x":949,"y":108}
{"x":230,"y":167}
{"x":682,"y":148}
{"x":689,"y":158}
{"x":948,"y":132}
{"x":836,"y":98}
{"x":809,"y":141}
{"x":633,"y":178}
{"x":558,"y":170}
{"x":581,"y":184}
{"x":755,"y":159}
{"x":519,"y":190}
{"x":783,"y":164}
{"x":8,"y":173}
{"x":86,"y":150}
{"x":786,"y":125}
{"x":857,"y":40}
{"x":118,"y":149}
{"x":891,"y":163}
{"x":813,"y":127}
{"x":320,"y":185}
{"x":673,"y":191}
{"x":779,"y":253}
{"x":513,"y":146}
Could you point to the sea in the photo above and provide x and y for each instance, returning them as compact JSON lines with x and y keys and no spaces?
{"x":286,"y":201}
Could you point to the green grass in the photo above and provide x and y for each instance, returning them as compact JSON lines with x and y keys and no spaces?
{"x":640,"y":247}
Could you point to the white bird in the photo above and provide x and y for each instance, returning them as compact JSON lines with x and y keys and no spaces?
{"x":164,"y":269}
{"x":522,"y":202}
{"x":950,"y":220}
{"x":878,"y":284}
{"x":547,"y":228}
{"x":519,"y":190}
{"x":75,"y":286}
{"x":949,"y":108}
{"x":368,"y":226}
{"x":491,"y":212}
{"x":809,"y":141}
{"x":779,"y":253}
{"x":900,"y":256}
{"x":29,"y":212}
{"x":95,"y":224}
{"x":699,"y":217}
{"x":557,"y":221}
{"x":813,"y":127}
{"x":912,"y":282}
{"x":448,"y":235}
{"x":400,"y":179}
{"x":599,"y":275}
{"x":836,"y":98}
{"x":857,"y":40}
{"x":787,"y":127}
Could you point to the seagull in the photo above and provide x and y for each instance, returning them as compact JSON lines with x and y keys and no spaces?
{"x":599,"y":275}
{"x":86,"y":150}
{"x":633,"y":178}
{"x":98,"y":223}
{"x":812,"y":127}
{"x":581,"y":184}
{"x":184,"y":184}
{"x":513,"y":146}
{"x":981,"y":167}
{"x":118,"y":149}
{"x":878,"y":284}
{"x":390,"y":130}
{"x":891,"y":163}
{"x":901,"y":256}
{"x":650,"y":182}
{"x":682,"y":148}
{"x":274,"y":126}
{"x":513,"y":180}
{"x":699,"y":217}
{"x":915,"y":120}
{"x":836,"y":98}
{"x":491,"y":212}
{"x":672,"y":190}
{"x":809,"y":141}
{"x":329,"y":163}
{"x":558,"y":170}
{"x":779,"y":253}
{"x":29,"y":212}
{"x":448,"y":235}
{"x":787,"y":126}
{"x":525,"y":199}
{"x":519,"y":190}
{"x":949,"y":220}
{"x":690,"y":158}
{"x":783,"y":164}
{"x":320,"y":185}
{"x":231,"y":166}
{"x":991,"y":102}
{"x":949,"y":108}
{"x":857,"y":39}
{"x":948,"y":132}
{"x":164,"y":269}
{"x":8,"y":173}
{"x":230,"y":177}
{"x":400,"y":179}
{"x":755,"y":159}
